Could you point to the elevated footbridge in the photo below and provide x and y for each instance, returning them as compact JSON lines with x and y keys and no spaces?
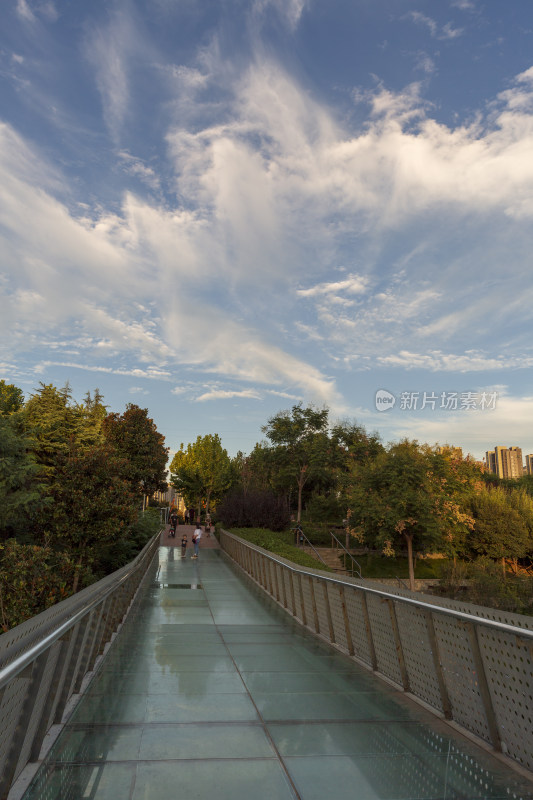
{"x":212,"y":688}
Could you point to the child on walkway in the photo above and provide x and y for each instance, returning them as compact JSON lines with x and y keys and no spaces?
{"x":184,"y":545}
{"x":197,"y":535}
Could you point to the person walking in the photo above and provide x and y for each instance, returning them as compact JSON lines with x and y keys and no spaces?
{"x":173,"y":522}
{"x":197,"y":535}
{"x":184,"y":545}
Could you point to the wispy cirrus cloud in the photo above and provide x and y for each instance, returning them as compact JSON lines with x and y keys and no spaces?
{"x":469,"y":361}
{"x":152,"y":373}
{"x":447,"y":31}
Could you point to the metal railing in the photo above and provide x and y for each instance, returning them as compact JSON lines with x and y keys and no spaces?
{"x":356,"y":566}
{"x":470,"y":664}
{"x":301,"y":538}
{"x":43,"y":661}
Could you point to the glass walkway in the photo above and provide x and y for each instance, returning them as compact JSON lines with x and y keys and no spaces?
{"x":212,"y":691}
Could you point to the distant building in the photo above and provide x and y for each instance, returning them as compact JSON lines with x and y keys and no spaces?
{"x":529,"y":465}
{"x":505,"y":462}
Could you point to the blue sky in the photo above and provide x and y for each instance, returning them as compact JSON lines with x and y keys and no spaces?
{"x":219,"y":208}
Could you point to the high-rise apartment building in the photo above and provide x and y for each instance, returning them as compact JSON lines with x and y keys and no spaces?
{"x":505,"y":462}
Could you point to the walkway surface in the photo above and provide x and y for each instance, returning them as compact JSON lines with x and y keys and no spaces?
{"x":212,"y":691}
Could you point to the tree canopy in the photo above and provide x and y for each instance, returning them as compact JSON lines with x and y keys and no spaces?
{"x":202,"y":471}
{"x":300,"y":446}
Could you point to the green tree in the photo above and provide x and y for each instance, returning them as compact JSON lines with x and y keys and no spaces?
{"x":136,"y":439}
{"x":11,"y":398}
{"x":92,"y":505}
{"x":202,"y":471}
{"x":57,"y":425}
{"x":403,"y":497}
{"x":32,"y":578}
{"x":20,"y":487}
{"x":501,"y":531}
{"x":301,"y":447}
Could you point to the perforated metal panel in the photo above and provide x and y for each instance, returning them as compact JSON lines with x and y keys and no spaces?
{"x":10,"y":711}
{"x":354,"y":607}
{"x":299,"y":600}
{"x":337,"y":617}
{"x":383,"y":636}
{"x":321,"y":608}
{"x":418,"y":654}
{"x":508,"y":662}
{"x":308,"y":605}
{"x":38,"y":708}
{"x":460,"y":675}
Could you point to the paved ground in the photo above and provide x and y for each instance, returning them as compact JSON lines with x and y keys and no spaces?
{"x":207,"y":542}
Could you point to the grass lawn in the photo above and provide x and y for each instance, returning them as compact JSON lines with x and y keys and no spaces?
{"x":374,"y":565}
{"x":279,"y":543}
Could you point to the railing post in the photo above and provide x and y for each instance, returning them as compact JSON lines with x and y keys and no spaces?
{"x":445,"y":699}
{"x":484,"y":687}
{"x":399,"y":648}
{"x":69,"y":674}
{"x":328,"y":612}
{"x":53,"y":689}
{"x":313,"y":603}
{"x":302,"y":602}
{"x":283,"y":571}
{"x":293,"y":596}
{"x":346,"y":621}
{"x":276,"y":581}
{"x":369,"y":635}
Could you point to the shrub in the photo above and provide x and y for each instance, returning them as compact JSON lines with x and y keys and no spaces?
{"x":253,"y":510}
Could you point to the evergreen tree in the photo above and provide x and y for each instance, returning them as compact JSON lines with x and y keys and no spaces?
{"x":20,"y":487}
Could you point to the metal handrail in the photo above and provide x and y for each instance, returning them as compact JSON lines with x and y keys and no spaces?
{"x":46,"y":658}
{"x":347,"y":553}
{"x":315,"y":551}
{"x":16,"y":666}
{"x":527,"y":633}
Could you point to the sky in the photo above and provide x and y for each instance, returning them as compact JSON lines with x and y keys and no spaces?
{"x":217,"y":209}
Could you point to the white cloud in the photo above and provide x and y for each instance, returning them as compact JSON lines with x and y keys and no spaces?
{"x":470,"y":361}
{"x":266,"y":199}
{"x":464,"y":5}
{"x":422,"y":19}
{"x":138,"y":169}
{"x":475,"y":431}
{"x":290,"y":10}
{"x":152,"y":373}
{"x":447,"y":31}
{"x":24,"y":11}
{"x":221,"y":394}
{"x":354,"y":284}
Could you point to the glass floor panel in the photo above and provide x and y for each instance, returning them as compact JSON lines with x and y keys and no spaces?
{"x":211,"y":690}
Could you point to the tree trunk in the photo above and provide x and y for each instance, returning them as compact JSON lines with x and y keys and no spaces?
{"x":300,"y":488}
{"x":77,"y":575}
{"x":503,"y":565}
{"x":409,"y":540}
